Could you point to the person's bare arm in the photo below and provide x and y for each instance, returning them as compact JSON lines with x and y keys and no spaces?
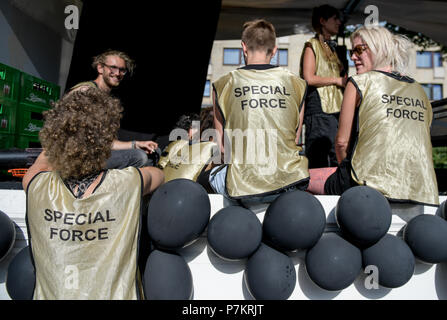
{"x":350,"y":102}
{"x":152,"y":179}
{"x":300,"y":126}
{"x":309,"y":70}
{"x":41,"y":164}
{"x":146,"y":146}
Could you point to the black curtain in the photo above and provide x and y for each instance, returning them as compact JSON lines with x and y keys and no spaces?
{"x":171,"y":42}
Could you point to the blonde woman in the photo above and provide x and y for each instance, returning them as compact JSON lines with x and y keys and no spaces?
{"x":383,"y":140}
{"x":322,"y":69}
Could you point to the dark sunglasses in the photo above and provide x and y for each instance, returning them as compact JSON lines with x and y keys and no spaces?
{"x":358,"y":49}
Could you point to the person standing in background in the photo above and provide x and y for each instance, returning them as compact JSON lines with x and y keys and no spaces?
{"x":323,"y":71}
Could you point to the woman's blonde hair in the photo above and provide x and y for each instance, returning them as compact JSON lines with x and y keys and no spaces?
{"x":79,"y":130}
{"x":388,"y":49}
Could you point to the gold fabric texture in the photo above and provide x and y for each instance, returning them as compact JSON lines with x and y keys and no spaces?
{"x":186,"y":161}
{"x":394,"y":153}
{"x":85,"y":248}
{"x":331,"y":96}
{"x":261,"y":115}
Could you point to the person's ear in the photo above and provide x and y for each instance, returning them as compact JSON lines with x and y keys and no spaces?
{"x":100,"y":68}
{"x":275,"y":49}
{"x":244,"y":48}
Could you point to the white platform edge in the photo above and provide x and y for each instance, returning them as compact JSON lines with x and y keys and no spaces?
{"x":218,"y":279}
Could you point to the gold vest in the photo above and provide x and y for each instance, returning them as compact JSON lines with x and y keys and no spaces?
{"x":261,"y":115}
{"x":393,"y":153}
{"x":182,"y":160}
{"x":91,"y":84}
{"x":86,"y":248}
{"x":331,"y":96}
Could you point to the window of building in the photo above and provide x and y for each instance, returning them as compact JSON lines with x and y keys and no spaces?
{"x":433,"y":91}
{"x":206,"y":92}
{"x":428,"y":59}
{"x":281,"y":58}
{"x":232,"y":56}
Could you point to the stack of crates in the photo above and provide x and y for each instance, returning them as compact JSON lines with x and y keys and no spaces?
{"x":9,"y":101}
{"x":36,"y":95}
{"x":23,"y":99}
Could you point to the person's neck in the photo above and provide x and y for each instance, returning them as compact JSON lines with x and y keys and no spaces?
{"x":326,"y":35}
{"x":102,"y":85}
{"x":257,"y":59}
{"x":385,"y":69}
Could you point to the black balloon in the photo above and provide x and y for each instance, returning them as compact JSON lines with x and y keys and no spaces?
{"x":21,"y":277}
{"x":441,"y":211}
{"x":333,"y":263}
{"x":363,"y":215}
{"x":234,"y":233}
{"x":178,"y":213}
{"x":393,"y":259}
{"x":7,"y":234}
{"x":167,"y":277}
{"x":295,"y":220}
{"x":270,"y":274}
{"x":426,"y":235}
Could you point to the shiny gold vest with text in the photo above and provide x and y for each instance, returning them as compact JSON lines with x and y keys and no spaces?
{"x":394,"y":153}
{"x":86,"y":248}
{"x":261,"y":111}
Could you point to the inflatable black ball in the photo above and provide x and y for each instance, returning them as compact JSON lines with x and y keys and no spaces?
{"x":393,"y":259}
{"x":442,"y":210}
{"x":333,"y":263}
{"x":167,"y":277}
{"x":295,"y":220}
{"x":363,"y":215}
{"x":270,"y":274}
{"x":178,"y":213}
{"x":7,"y":234}
{"x":426,"y":235}
{"x":21,"y":276}
{"x":234,"y":233}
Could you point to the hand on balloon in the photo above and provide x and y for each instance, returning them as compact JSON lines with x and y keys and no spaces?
{"x":147,"y":146}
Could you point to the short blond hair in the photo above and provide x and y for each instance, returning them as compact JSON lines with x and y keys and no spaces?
{"x":388,"y":49}
{"x":259,"y":35}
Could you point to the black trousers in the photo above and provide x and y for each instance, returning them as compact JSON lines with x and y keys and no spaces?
{"x":321,"y":129}
{"x":341,"y":180}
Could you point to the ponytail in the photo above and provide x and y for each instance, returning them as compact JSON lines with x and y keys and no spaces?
{"x":402,"y":54}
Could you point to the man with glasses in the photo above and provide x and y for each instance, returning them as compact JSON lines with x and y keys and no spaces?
{"x":111,"y":67}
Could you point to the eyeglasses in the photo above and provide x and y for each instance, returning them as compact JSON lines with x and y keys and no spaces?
{"x":115,"y":69}
{"x":358,"y":49}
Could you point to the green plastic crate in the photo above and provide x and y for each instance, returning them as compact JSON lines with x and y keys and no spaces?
{"x":9,"y":82}
{"x":37,"y":92}
{"x":7,"y":141}
{"x":24,"y":142}
{"x":8,"y":113}
{"x":29,"y":120}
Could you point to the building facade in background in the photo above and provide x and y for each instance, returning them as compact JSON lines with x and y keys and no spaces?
{"x":427,"y":67}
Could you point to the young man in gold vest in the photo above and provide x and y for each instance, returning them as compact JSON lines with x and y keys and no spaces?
{"x":111,"y":67}
{"x":258,"y":112}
